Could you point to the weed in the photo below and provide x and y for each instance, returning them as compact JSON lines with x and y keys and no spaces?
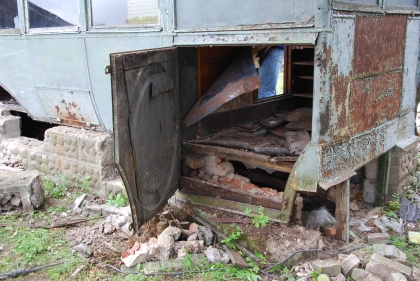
{"x":315,"y":274}
{"x":233,"y":237}
{"x":84,"y":182}
{"x":187,"y":261}
{"x":412,"y":251}
{"x":261,"y":219}
{"x":55,"y":189}
{"x":393,"y":206}
{"x":118,"y":199}
{"x":57,"y":209}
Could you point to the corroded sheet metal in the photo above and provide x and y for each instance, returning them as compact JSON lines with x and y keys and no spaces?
{"x":68,"y":106}
{"x":375,"y":100}
{"x":239,"y":78}
{"x":358,"y":92}
{"x":379,"y":42}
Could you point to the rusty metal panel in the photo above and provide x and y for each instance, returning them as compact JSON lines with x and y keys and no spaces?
{"x":239,"y":78}
{"x":68,"y":106}
{"x":379,"y":42}
{"x":146,"y":128}
{"x":374,"y":101}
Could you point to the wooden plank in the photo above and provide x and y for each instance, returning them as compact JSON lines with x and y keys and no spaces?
{"x":297,"y":141}
{"x":303,"y":63}
{"x":303,"y":124}
{"x":251,"y":158}
{"x":304,"y":95}
{"x":235,"y":257}
{"x":228,"y":206}
{"x":217,"y":190}
{"x":342,"y":210}
{"x":298,"y":114}
{"x":230,"y":220}
{"x":269,"y":180}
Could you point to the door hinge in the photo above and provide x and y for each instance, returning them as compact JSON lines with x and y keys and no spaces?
{"x":107,"y":69}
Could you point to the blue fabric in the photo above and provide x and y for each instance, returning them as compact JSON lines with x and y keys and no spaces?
{"x":269,"y":70}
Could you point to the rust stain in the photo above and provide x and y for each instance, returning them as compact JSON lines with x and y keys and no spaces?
{"x":374,"y":101}
{"x":57,"y":108}
{"x":379,"y":43}
{"x":73,"y":104}
{"x":68,"y":115}
{"x":272,"y":38}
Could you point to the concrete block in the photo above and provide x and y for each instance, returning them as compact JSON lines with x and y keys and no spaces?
{"x":348,"y":264}
{"x":113,"y":186}
{"x":359,"y":274}
{"x":396,"y":277}
{"x":414,"y":237}
{"x":58,"y":142}
{"x":383,"y":267}
{"x":329,"y":267}
{"x":96,"y":149}
{"x":9,"y":127}
{"x":27,"y":183}
{"x":377,"y":237}
{"x":78,"y":171}
{"x":389,"y":251}
{"x":46,"y":163}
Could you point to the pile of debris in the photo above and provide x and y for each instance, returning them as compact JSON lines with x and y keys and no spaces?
{"x":175,"y":242}
{"x":220,"y":172}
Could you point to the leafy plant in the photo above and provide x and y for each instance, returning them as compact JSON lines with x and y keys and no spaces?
{"x":118,"y":199}
{"x":84,"y":182}
{"x":261,"y":219}
{"x":315,"y":274}
{"x":187,"y":261}
{"x":393,"y":206}
{"x":55,"y":189}
{"x":233,"y":237}
{"x":411,"y":250}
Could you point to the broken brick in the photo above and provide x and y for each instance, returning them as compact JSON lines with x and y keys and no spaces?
{"x":330,"y":231}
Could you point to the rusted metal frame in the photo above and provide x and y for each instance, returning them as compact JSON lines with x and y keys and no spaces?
{"x":383,"y":178}
{"x":369,"y":8}
{"x":289,"y":197}
{"x":264,"y":26}
{"x":342,"y":210}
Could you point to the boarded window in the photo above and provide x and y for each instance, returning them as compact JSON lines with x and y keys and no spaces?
{"x":127,"y":12}
{"x":48,"y":13}
{"x":8,"y":14}
{"x":403,"y":3}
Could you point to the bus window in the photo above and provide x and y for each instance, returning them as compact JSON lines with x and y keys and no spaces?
{"x":8,"y":14}
{"x":52,"y":13}
{"x":124,"y":12}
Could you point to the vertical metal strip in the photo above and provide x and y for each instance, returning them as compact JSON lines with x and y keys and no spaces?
{"x":383,"y":178}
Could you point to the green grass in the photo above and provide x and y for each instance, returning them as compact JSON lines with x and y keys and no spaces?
{"x":412,"y":251}
{"x":28,"y":248}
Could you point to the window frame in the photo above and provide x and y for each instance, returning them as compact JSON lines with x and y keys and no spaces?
{"x":121,"y":28}
{"x":21,"y":19}
{"x":64,"y":29}
{"x":382,"y":7}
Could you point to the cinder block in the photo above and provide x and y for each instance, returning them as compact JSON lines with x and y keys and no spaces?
{"x":9,"y":127}
{"x":96,"y":148}
{"x":389,"y":251}
{"x":348,"y":264}
{"x":377,"y":237}
{"x":329,"y":267}
{"x":383,"y":267}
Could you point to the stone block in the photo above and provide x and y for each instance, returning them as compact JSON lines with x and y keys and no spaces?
{"x":389,"y":251}
{"x":329,"y":267}
{"x":113,"y":186}
{"x":96,"y":149}
{"x":377,"y":237}
{"x":414,"y":237}
{"x":359,"y":274}
{"x":79,"y":171}
{"x":58,"y":142}
{"x":396,"y":277}
{"x":348,"y":264}
{"x":46,"y":163}
{"x":9,"y":127}
{"x":27,"y":183}
{"x":383,"y":267}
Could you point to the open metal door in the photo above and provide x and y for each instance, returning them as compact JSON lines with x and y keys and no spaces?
{"x":146,"y":127}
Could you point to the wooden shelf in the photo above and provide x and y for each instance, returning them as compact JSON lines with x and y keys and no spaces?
{"x":306,"y":77}
{"x":303,"y":63}
{"x":304,"y":95}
